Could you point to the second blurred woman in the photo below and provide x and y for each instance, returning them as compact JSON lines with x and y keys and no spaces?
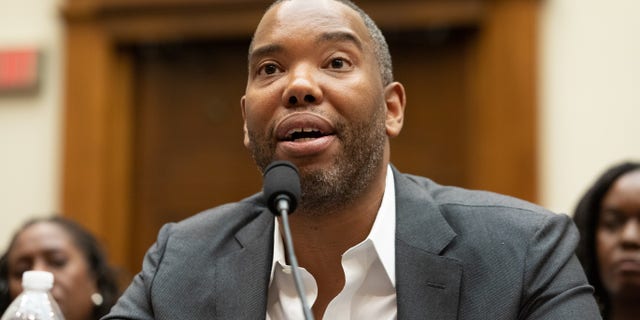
{"x":608,"y":217}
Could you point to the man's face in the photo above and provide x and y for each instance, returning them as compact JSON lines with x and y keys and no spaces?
{"x":315,"y":97}
{"x":618,"y":238}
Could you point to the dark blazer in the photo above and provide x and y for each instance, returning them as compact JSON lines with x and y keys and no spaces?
{"x":460,"y":254}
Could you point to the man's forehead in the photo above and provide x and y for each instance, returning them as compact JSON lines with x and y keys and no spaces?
{"x":296,"y":6}
{"x":304,"y":16}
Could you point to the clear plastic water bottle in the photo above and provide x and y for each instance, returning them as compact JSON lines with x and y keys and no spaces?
{"x":35,"y":302}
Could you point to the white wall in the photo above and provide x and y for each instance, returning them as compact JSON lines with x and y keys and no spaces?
{"x":30,"y":145}
{"x":589,"y":94}
{"x":590,"y":106}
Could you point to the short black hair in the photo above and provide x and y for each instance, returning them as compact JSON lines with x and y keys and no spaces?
{"x":586,"y":217}
{"x":106,"y":280}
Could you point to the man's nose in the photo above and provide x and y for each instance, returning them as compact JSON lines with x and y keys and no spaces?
{"x":303,"y":88}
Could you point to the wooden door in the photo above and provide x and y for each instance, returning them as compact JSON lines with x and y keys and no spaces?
{"x":432,"y":66}
{"x":189,"y":154}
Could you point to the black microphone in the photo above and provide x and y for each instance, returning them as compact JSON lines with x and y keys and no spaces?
{"x":282,"y":191}
{"x":281,"y":186}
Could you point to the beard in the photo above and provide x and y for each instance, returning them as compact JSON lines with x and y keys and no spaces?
{"x":326,"y":190}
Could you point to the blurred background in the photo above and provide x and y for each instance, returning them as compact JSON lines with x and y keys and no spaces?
{"x":124,"y":115}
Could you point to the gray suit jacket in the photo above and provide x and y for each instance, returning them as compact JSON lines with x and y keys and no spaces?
{"x":460,"y":254}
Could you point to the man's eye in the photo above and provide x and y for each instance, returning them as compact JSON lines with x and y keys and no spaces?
{"x":337,"y":63}
{"x":269,"y":69}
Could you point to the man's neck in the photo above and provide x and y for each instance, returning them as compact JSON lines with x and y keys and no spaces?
{"x":321,"y":239}
{"x":336,"y":231}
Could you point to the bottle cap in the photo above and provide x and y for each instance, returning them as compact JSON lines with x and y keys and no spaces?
{"x":37,"y":279}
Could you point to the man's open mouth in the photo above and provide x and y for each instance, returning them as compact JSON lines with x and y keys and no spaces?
{"x":303,"y":134}
{"x":303,"y":127}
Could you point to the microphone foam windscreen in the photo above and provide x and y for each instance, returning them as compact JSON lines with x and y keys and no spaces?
{"x":281,"y":178}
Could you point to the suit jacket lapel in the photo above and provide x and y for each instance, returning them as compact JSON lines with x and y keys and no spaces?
{"x":427,"y":283}
{"x":242,"y":276}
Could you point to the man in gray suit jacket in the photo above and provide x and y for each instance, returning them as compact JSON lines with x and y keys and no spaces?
{"x":372,"y":243}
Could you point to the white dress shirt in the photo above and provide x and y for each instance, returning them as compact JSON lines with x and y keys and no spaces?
{"x":369,"y":268}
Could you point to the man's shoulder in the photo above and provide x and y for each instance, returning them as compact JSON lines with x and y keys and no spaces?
{"x":452,"y":196}
{"x":482,"y":219}
{"x":460,"y":206}
{"x":229,"y":216}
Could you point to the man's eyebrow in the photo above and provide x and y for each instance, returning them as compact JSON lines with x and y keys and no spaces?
{"x":337,"y":36}
{"x":340,"y":36}
{"x":264,"y":51}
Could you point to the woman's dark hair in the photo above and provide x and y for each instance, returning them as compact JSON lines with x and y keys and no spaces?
{"x":586,"y":218}
{"x":5,"y":298}
{"x":105,"y":276}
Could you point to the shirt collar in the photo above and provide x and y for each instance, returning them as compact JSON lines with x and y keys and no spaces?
{"x":384,"y":228}
{"x":382,"y":233}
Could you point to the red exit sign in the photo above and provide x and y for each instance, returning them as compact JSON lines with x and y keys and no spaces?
{"x":19,"y":70}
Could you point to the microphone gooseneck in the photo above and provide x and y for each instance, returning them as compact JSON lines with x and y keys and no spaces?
{"x":282,"y":190}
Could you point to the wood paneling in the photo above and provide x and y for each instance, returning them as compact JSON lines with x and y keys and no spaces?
{"x":138,"y":21}
{"x":432,"y":66}
{"x":189,"y":141}
{"x":502,"y":100}
{"x":97,"y":140}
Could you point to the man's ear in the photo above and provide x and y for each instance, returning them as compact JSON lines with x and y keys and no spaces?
{"x":395,"y":100}
{"x":244,"y":120}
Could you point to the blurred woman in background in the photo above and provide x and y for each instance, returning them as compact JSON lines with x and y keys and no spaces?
{"x":608,"y":217}
{"x":85,"y":286}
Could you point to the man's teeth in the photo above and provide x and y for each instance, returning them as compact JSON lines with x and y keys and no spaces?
{"x":304,"y":134}
{"x":302,"y":130}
